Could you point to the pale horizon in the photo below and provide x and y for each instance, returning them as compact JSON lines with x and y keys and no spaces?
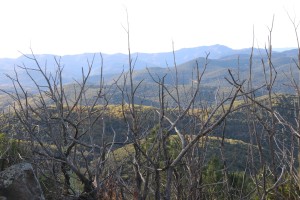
{"x":74,"y":27}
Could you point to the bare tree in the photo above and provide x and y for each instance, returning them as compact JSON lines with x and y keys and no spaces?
{"x":60,"y":127}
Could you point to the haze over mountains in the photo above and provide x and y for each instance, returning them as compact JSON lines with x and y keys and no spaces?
{"x":220,"y":59}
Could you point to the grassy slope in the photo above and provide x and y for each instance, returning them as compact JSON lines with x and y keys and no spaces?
{"x":236,"y":151}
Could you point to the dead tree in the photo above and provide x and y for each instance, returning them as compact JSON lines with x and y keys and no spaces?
{"x":59,"y":125}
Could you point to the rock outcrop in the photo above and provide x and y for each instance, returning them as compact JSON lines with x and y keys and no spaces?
{"x":19,"y":182}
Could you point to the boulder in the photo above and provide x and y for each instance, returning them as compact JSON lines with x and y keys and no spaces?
{"x":19,"y":182}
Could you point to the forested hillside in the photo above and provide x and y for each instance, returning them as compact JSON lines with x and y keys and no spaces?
{"x":210,"y":128}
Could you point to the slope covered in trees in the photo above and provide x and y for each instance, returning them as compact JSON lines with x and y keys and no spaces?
{"x":206,"y":129}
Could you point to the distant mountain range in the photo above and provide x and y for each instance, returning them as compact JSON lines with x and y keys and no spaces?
{"x":221,"y":57}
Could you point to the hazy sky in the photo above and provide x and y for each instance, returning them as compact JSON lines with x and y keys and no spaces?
{"x":76,"y":26}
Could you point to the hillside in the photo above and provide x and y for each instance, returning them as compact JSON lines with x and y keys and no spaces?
{"x":220,"y":57}
{"x":209,"y":147}
{"x":158,"y":131}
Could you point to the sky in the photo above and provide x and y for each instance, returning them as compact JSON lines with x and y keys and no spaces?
{"x":65,"y":27}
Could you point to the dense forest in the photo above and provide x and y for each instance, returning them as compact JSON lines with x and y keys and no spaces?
{"x":159,"y":135}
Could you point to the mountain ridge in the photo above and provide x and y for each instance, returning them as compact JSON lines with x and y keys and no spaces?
{"x":116,"y":63}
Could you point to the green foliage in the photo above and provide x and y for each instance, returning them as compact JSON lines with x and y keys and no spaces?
{"x":213,"y":178}
{"x":154,"y":142}
{"x":12,"y":151}
{"x":50,"y":187}
{"x":215,"y":186}
{"x":3,"y":142}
